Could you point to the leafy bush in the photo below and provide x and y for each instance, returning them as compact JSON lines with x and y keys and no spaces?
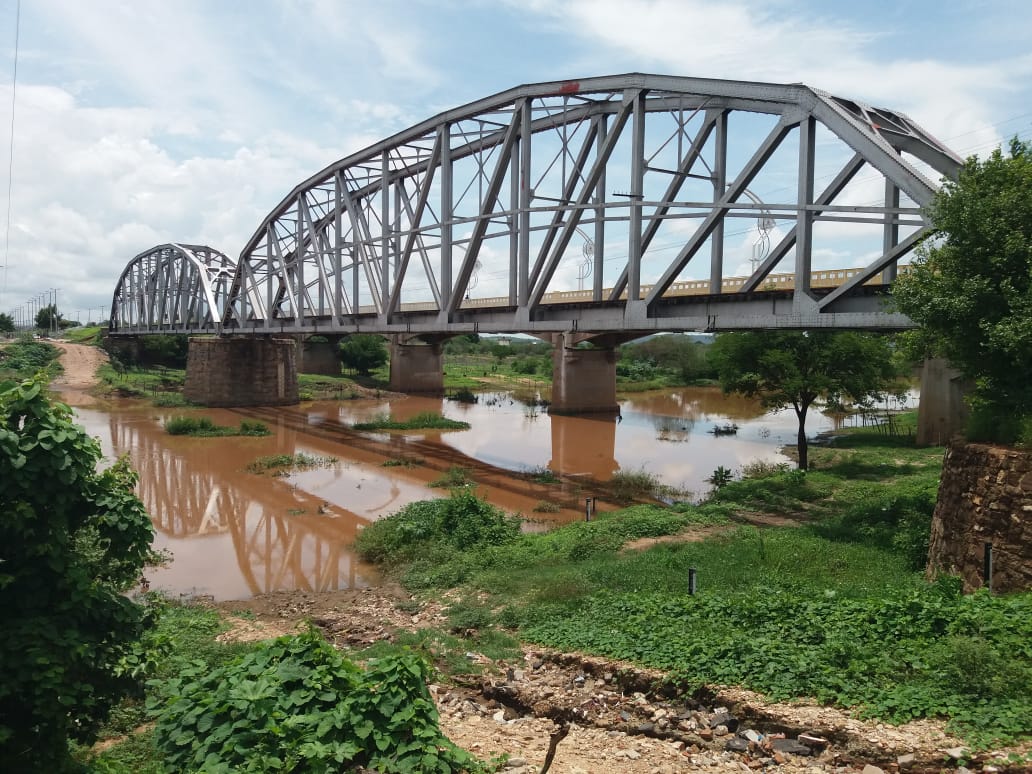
{"x":462,"y":521}
{"x":72,"y":541}
{"x":24,"y":357}
{"x":453,"y":478}
{"x":296,"y":704}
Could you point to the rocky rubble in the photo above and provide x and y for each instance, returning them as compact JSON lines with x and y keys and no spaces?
{"x":622,"y":718}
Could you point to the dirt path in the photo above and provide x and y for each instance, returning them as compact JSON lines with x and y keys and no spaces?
{"x":80,"y":363}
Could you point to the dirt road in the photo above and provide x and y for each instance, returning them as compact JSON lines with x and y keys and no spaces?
{"x":80,"y":363}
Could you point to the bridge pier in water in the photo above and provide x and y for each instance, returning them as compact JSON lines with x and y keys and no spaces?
{"x":583,"y":380}
{"x":243,"y":371}
{"x":417,"y":368}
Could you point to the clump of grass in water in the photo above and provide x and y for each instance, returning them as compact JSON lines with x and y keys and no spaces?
{"x":204,"y":428}
{"x":426,"y":420}
{"x":281,"y":462}
{"x":453,"y":478}
{"x":630,"y":485}
{"x":402,"y":462}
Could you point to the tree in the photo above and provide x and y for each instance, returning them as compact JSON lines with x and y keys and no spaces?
{"x":6,"y":323}
{"x":793,"y":368}
{"x":970,"y":287}
{"x":45,"y":318}
{"x":72,"y":541}
{"x":363,"y":352}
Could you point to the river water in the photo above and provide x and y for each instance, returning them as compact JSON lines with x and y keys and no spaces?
{"x":233,"y":534}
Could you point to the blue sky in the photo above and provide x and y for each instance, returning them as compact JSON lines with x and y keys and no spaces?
{"x":139,"y":122}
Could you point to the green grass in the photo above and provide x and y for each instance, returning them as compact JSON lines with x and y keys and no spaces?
{"x":202,"y":427}
{"x":426,"y":420}
{"x":83,"y":334}
{"x":281,"y":464}
{"x":835,"y":609}
{"x":24,"y":357}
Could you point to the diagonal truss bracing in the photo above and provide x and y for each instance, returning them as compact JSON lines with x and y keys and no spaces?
{"x":491,"y":216}
{"x":173,"y":288}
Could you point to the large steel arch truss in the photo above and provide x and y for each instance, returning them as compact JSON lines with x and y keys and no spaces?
{"x":690,"y":203}
{"x":173,"y":288}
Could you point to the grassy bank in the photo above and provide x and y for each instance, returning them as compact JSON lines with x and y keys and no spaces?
{"x":833,"y":608}
{"x":23,"y":357}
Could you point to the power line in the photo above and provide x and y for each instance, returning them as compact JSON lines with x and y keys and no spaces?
{"x":10,"y":152}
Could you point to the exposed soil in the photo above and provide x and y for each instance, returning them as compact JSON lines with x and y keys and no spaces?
{"x":621,"y":718}
{"x":80,"y":363}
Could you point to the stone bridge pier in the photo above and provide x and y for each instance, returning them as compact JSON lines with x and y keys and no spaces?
{"x":417,"y":366}
{"x":242,"y":371}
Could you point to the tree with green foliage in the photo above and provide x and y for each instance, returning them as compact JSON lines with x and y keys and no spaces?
{"x":72,"y":541}
{"x":6,"y":323}
{"x":795,"y":368}
{"x":48,"y":318}
{"x":363,"y":352}
{"x":970,"y":288}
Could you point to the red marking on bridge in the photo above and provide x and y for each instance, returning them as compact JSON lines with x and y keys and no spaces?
{"x":569,"y":87}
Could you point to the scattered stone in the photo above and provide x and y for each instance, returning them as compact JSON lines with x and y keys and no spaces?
{"x":905,"y":760}
{"x":791,"y":746}
{"x":814,"y":741}
{"x":720,"y":730}
{"x":515,"y":763}
{"x":956,"y":753}
{"x":737,"y":744}
{"x":869,"y":769}
{"x":752,"y":736}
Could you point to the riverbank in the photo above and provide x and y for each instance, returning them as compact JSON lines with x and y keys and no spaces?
{"x":498,"y":695}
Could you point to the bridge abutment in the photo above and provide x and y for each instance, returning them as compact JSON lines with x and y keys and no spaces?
{"x":942,"y":412}
{"x":417,"y":368}
{"x":583,"y":380}
{"x":252,"y":371}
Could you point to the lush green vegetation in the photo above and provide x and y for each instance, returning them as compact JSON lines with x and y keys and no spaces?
{"x":24,"y":357}
{"x":796,"y":368}
{"x":297,"y":704}
{"x":662,"y":361}
{"x":835,"y":608}
{"x":281,"y":464}
{"x":426,"y":420}
{"x":205,"y":428}
{"x":89,"y":334}
{"x":363,"y":353}
{"x":72,"y":541}
{"x":970,"y":290}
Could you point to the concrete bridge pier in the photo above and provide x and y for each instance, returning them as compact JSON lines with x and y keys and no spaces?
{"x":583,"y":380}
{"x":319,"y":356}
{"x":417,"y":367}
{"x":942,"y":412}
{"x":244,"y":371}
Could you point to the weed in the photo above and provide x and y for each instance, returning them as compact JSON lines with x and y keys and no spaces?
{"x":545,"y":506}
{"x":454,"y":477}
{"x":204,"y":428}
{"x":427,"y":420}
{"x":283,"y":462}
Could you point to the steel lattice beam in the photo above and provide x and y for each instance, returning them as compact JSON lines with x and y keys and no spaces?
{"x":499,"y":197}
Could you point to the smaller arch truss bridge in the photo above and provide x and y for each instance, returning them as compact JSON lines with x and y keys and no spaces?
{"x":685,"y":204}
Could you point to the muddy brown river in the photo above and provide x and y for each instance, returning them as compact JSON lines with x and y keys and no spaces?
{"x":233,"y":534}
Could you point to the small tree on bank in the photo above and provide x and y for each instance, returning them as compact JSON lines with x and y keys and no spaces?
{"x":72,"y":541}
{"x":6,"y":323}
{"x":970,"y":289}
{"x":363,"y":353}
{"x":793,"y":368}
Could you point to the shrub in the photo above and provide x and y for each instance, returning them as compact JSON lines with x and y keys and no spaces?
{"x":461,"y":521}
{"x":296,"y":704}
{"x":72,"y":541}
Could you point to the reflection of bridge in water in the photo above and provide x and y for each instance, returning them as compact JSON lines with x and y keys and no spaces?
{"x":283,"y":537}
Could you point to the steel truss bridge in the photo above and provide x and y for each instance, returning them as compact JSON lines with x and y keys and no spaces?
{"x":657,"y":189}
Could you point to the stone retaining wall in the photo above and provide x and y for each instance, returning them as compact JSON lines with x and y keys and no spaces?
{"x":985,"y":496}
